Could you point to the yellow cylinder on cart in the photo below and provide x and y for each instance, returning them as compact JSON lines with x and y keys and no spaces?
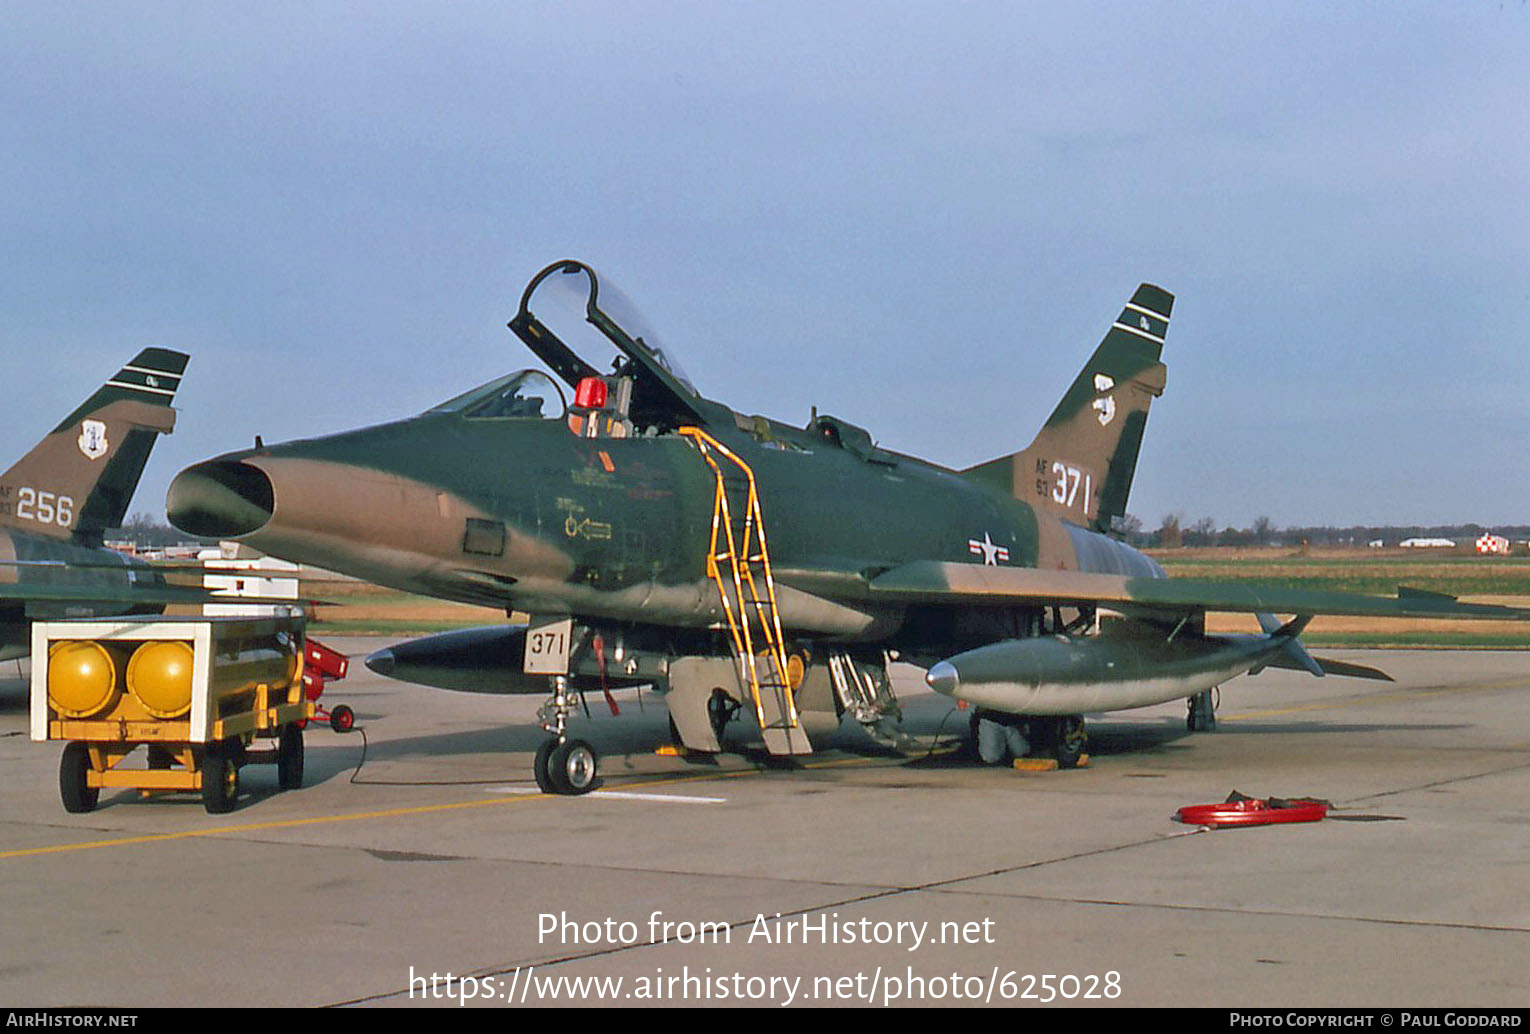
{"x":241,"y":665}
{"x":159,"y":675}
{"x":82,"y":678}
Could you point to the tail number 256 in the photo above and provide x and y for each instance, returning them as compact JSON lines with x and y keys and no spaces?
{"x":44,"y":507}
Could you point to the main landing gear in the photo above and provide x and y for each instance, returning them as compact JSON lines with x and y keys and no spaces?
{"x":1202,"y":713}
{"x":1065,"y":739}
{"x":564,"y":766}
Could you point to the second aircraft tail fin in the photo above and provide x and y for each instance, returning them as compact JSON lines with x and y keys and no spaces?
{"x":79,"y":480}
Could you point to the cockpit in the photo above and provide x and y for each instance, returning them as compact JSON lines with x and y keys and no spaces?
{"x":523,"y":395}
{"x":582,"y":327}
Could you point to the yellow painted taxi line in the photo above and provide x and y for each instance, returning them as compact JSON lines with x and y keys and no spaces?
{"x":424,"y":809}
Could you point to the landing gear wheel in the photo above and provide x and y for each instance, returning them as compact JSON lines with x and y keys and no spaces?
{"x":1202,"y":713}
{"x":1067,"y":740}
{"x":574,"y":767}
{"x":289,"y":757}
{"x":541,"y":766}
{"x":342,"y":718}
{"x":73,"y":787}
{"x":220,"y":779}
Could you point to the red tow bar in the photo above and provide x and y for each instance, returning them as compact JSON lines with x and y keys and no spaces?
{"x":322,"y":665}
{"x":1239,"y":810}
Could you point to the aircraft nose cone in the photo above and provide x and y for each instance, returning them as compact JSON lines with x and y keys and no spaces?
{"x":381,"y":661}
{"x":220,"y":499}
{"x":942,"y":678}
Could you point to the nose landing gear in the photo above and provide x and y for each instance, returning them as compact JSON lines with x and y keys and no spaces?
{"x":564,"y":766}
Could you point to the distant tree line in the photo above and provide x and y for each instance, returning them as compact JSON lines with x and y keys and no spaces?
{"x":1173,"y":533}
{"x":147,"y":532}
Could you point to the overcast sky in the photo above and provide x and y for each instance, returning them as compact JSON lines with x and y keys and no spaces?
{"x":920,"y":217}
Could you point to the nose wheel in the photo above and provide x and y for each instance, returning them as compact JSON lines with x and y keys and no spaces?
{"x":569,"y":768}
{"x":564,"y":766}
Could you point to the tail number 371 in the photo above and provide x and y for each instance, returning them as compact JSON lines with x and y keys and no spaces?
{"x":1065,"y":486}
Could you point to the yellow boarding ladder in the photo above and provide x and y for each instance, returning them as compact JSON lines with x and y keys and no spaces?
{"x":740,"y":565}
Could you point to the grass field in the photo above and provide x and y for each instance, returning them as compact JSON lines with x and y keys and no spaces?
{"x":357,"y":608}
{"x":1373,"y":571}
{"x":1380,"y":572}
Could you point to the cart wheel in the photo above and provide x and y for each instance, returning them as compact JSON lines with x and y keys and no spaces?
{"x":160,"y":757}
{"x":574,"y":767}
{"x":220,"y":780}
{"x":289,"y":757}
{"x":78,"y":795}
{"x":342,"y":718}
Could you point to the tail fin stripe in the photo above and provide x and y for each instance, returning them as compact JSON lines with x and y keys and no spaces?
{"x":140,"y":387}
{"x":1144,"y":309}
{"x":150,"y":370}
{"x":1138,"y":331}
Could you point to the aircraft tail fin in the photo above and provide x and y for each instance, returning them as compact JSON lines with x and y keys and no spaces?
{"x":79,"y":480}
{"x":1081,"y":463}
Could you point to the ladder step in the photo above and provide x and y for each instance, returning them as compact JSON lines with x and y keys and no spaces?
{"x":781,"y":742}
{"x":738,"y":528}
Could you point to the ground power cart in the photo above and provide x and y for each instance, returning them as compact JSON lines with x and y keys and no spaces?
{"x":196,"y":693}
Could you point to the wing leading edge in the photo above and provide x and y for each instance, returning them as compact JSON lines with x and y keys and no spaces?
{"x":928,"y":581}
{"x":156,"y":595}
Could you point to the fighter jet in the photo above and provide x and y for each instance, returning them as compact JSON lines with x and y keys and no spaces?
{"x":656,"y":536}
{"x":56,"y":502}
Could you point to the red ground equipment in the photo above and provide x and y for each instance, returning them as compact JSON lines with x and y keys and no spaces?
{"x":1239,"y":810}
{"x":322,"y":665}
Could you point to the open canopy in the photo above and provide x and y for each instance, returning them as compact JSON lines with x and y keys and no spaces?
{"x":569,"y":301}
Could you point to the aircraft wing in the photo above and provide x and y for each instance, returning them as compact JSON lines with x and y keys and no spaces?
{"x":115,"y":565}
{"x":955,"y":584}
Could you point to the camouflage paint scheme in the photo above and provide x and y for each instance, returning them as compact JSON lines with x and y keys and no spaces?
{"x":603,"y":512}
{"x":617,"y":527}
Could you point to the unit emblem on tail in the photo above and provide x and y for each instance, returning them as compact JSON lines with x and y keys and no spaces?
{"x":1106,"y":406}
{"x":92,"y":440}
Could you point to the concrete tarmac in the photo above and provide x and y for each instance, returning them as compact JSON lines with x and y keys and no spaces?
{"x":434,"y":870}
